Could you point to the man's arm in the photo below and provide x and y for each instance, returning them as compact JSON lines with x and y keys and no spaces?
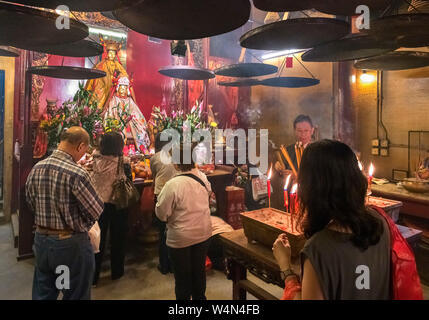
{"x":89,"y":201}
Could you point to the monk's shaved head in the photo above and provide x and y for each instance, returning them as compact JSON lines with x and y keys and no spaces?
{"x":75,"y":136}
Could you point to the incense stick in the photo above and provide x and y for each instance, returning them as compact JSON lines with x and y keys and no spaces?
{"x":287,"y":157}
{"x":280,"y":160}
{"x":298,"y":155}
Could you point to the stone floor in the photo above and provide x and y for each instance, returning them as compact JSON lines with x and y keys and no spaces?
{"x":142,"y":280}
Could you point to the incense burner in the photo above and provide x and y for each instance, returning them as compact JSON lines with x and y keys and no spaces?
{"x":265,"y":225}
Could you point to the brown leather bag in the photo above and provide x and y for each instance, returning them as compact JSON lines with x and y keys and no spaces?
{"x":124,"y":193}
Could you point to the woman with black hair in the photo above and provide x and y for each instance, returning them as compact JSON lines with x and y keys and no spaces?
{"x":104,"y":175}
{"x":347,"y":253}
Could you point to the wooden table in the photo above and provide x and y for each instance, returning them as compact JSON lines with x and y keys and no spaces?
{"x":415,"y":204}
{"x":258,"y":259}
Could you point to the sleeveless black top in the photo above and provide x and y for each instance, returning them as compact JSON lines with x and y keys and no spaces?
{"x":345,"y":272}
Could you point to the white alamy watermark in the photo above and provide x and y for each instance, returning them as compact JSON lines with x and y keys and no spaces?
{"x":363,"y":21}
{"x":362,"y":281}
{"x":246,"y":152}
{"x":63,"y":280}
{"x":63,"y":21}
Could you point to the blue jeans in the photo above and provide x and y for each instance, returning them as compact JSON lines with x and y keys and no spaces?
{"x":53,"y":257}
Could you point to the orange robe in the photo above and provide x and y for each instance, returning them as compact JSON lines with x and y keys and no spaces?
{"x":102,"y":86}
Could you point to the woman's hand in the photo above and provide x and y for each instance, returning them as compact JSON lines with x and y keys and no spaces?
{"x":282,"y":252}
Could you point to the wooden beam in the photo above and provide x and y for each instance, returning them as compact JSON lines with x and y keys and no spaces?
{"x":256,"y":291}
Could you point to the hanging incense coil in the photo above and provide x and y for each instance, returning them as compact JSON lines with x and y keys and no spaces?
{"x":398,"y":60}
{"x":65,"y":72}
{"x":352,"y":47}
{"x":80,"y":5}
{"x":24,"y":28}
{"x":185,"y":19}
{"x":242,"y":70}
{"x":301,"y":33}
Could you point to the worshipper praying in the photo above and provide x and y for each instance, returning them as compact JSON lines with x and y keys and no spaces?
{"x":66,"y":206}
{"x":304,"y":131}
{"x":342,"y":233}
{"x":161,"y":173}
{"x":184,"y":205}
{"x":104,"y":174}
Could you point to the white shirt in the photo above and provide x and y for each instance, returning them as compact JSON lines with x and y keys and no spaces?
{"x":184,"y":204}
{"x":161,"y":172}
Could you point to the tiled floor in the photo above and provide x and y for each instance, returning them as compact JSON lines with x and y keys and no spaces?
{"x":141,"y":280}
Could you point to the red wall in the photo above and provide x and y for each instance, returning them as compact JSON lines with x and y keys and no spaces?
{"x":144,"y":58}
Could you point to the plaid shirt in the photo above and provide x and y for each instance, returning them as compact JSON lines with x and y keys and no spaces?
{"x":62,"y":195}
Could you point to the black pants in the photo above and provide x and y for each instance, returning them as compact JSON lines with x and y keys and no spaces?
{"x":118,"y":222}
{"x":189,"y":267}
{"x":215,"y":253}
{"x":164,"y":261}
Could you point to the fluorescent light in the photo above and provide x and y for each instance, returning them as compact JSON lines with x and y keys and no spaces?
{"x":107,"y":32}
{"x":280,"y":53}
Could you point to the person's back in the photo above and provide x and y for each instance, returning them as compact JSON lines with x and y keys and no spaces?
{"x":188,"y":220}
{"x":184,"y":205}
{"x":57,"y":179}
{"x":347,"y":272}
{"x":113,"y":221}
{"x":347,"y":253}
{"x":161,"y":171}
{"x":66,"y":206}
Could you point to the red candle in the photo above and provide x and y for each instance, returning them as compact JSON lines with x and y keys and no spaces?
{"x":370,"y":173}
{"x":269,"y":187}
{"x":293,"y":201}
{"x":286,"y":196}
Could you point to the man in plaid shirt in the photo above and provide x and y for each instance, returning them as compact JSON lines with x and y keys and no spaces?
{"x":66,"y":206}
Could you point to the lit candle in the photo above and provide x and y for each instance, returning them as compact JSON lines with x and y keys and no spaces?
{"x":370,"y":174}
{"x":286,"y":196}
{"x":293,"y":199}
{"x":269,"y":187}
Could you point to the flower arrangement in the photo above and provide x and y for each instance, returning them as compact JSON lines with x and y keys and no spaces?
{"x":180,"y":121}
{"x":241,"y":176}
{"x":81,"y":111}
{"x":120,"y":122}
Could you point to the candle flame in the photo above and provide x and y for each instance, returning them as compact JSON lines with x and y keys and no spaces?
{"x":294,"y":188}
{"x":269,"y":174}
{"x":287,"y":182}
{"x":360,"y":165}
{"x":371,"y":170}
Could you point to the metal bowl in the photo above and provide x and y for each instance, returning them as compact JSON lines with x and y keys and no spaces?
{"x":414,"y":185}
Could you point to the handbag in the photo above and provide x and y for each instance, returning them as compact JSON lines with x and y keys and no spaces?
{"x":405,"y":279}
{"x":124,"y":193}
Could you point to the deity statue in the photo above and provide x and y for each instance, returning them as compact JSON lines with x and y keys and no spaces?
{"x":110,"y":64}
{"x":137,"y":127}
{"x":42,"y":139}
